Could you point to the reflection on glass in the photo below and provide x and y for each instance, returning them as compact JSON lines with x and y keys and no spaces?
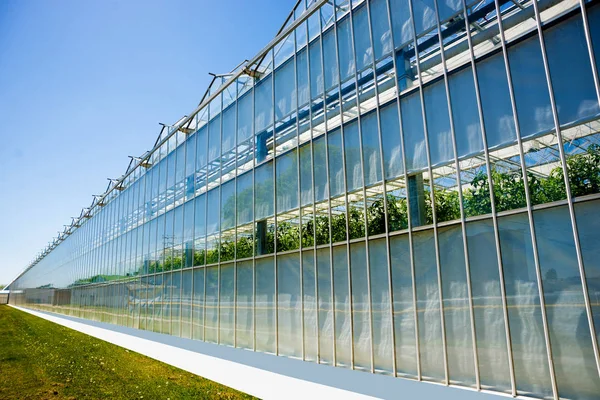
{"x":530,"y":358}
{"x":226,"y":305}
{"x":265,"y":305}
{"x":495,"y":101}
{"x":341,"y":303}
{"x":428,"y":307}
{"x":211,"y":319}
{"x":325,"y":307}
{"x":575,"y":94}
{"x":309,"y":303}
{"x":244,"y":305}
{"x":487,"y":307}
{"x":380,"y":307}
{"x":457,"y":318}
{"x":361,"y":321}
{"x":574,"y":362}
{"x":288,"y":305}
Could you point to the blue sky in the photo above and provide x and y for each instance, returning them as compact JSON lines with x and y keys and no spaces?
{"x":84,"y":84}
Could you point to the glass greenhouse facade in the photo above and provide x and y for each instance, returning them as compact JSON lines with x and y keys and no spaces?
{"x":409,"y":188}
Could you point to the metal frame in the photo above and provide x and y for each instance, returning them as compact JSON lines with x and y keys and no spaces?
{"x":116,"y":252}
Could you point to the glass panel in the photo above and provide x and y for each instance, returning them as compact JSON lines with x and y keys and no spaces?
{"x":448,"y":8}
{"x":362,"y":39}
{"x":226,"y":305}
{"x":316,"y":69}
{"x":424,"y":14}
{"x":428,"y":307}
{"x":289,"y":309}
{"x":574,"y":362}
{"x":227,"y":205}
{"x":325,"y":307}
{"x":336,"y":165}
{"x":244,"y":321}
{"x":587,"y":223}
{"x":211,"y":330}
{"x":343,"y":326}
{"x":347,"y":67}
{"x":401,"y":22}
{"x":361,"y":321}
{"x":530,"y":87}
{"x":380,"y":306}
{"x":330,"y":58}
{"x":320,"y":168}
{"x":265,"y":305}
{"x":404,"y":308}
{"x":213,"y":214}
{"x":303,"y":81}
{"x":187,"y":281}
{"x":414,"y":136}
{"x":244,"y":198}
{"x":438,"y":124}
{"x":574,"y":93}
{"x":354,"y":176}
{"x":263,"y":105}
{"x":287,"y":181}
{"x":530,"y":355}
{"x":306,"y":175}
{"x":457,"y":318}
{"x":198,"y":305}
{"x":228,"y":129}
{"x":202,"y":147}
{"x":370,"y":145}
{"x":285,"y":90}
{"x":263,"y":193}
{"x":244,"y":129}
{"x":199,"y":229}
{"x":495,"y":101}
{"x":214,"y":138}
{"x":467,"y":126}
{"x":487,"y":306}
{"x":309,"y":303}
{"x":392,"y":145}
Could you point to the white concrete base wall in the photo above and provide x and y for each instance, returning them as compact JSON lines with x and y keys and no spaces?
{"x":262,"y":382}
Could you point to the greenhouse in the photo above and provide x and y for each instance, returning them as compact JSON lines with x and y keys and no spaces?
{"x":402,"y":187}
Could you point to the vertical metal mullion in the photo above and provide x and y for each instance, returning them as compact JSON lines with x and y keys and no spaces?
{"x":385,"y":200}
{"x":275,"y":211}
{"x":235,"y":219}
{"x":563,"y":158}
{"x":326,"y":135}
{"x":538,"y":272}
{"x":314,"y":202}
{"x":431,"y":195}
{"x":253,"y":215}
{"x":492,"y":202}
{"x":409,"y":218}
{"x":164,"y":231}
{"x":299,"y":185}
{"x":364,"y":184}
{"x":193,"y":239}
{"x":461,"y":205}
{"x":343,"y":136}
{"x":146,"y":247}
{"x":172,"y":250}
{"x":220,"y":233}
{"x":206,"y":221}
{"x":182,"y":266}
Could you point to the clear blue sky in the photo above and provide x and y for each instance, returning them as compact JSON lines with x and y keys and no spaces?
{"x":84,"y":84}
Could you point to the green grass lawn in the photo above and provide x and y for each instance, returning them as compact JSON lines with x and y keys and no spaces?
{"x":43,"y":360}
